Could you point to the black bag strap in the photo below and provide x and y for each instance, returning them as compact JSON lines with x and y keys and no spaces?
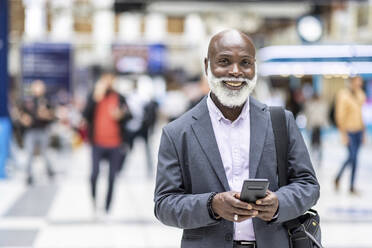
{"x":279,"y":124}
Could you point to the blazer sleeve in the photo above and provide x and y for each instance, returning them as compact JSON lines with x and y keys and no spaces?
{"x":173,"y":205}
{"x":302,"y":191}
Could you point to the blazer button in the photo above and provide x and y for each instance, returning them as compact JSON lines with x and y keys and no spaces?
{"x":228,"y":237}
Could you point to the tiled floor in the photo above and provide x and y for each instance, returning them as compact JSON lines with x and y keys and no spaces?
{"x":60,"y":214}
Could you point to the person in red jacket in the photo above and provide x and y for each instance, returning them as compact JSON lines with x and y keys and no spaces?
{"x":105,"y":112}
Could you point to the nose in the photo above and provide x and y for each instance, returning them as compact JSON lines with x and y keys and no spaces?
{"x":235,"y":71}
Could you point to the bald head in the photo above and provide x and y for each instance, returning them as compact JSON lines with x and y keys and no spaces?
{"x":230,"y":38}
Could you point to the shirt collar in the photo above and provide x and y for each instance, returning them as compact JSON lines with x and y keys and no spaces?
{"x":217,"y":114}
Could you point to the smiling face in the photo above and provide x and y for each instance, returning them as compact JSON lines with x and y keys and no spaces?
{"x":231,"y":67}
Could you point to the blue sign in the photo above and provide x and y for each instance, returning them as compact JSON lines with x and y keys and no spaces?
{"x":140,"y":58}
{"x":157,"y":59}
{"x":49,"y":62}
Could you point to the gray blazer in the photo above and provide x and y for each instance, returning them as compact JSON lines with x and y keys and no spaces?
{"x":190,"y":168}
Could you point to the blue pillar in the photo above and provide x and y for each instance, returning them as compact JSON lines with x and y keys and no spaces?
{"x":317,"y":84}
{"x":294,"y":82}
{"x":5,"y":127}
{"x":5,"y":136}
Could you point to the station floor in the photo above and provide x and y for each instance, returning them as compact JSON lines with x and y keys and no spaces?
{"x":60,"y":214}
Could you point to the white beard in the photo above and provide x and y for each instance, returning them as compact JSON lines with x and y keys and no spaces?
{"x":227,"y":97}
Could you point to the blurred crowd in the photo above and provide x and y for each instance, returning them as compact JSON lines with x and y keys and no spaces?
{"x":52,"y":115}
{"x":109,"y":119}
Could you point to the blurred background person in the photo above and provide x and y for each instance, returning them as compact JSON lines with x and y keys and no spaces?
{"x":176,"y":101}
{"x":350,"y":124}
{"x":195,"y":92}
{"x":141,"y":125}
{"x":295,"y":101}
{"x":316,"y":112}
{"x":105,"y":114}
{"x":37,"y":115}
{"x":146,"y":130}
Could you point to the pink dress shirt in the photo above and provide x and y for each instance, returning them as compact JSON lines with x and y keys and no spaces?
{"x":233,"y":140}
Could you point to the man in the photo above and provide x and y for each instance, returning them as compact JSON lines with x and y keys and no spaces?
{"x":206,"y":154}
{"x":35,"y":117}
{"x":316,"y":111}
{"x":105,"y":112}
{"x":143,"y":111}
{"x":350,"y":123}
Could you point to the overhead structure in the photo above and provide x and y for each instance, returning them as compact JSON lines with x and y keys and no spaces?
{"x":333,"y":60}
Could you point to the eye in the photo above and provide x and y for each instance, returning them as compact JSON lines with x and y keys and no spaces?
{"x":247,"y":62}
{"x":223,"y":61}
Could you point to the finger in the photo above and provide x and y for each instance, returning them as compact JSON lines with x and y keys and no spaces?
{"x":244,"y":205}
{"x":262,"y":208}
{"x":267,"y":200}
{"x":231,"y":218}
{"x":238,"y":203}
{"x":244,"y":212}
{"x":231,"y":210}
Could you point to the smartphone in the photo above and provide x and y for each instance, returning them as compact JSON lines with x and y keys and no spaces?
{"x":254,"y":189}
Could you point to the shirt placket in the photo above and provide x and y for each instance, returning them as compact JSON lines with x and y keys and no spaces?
{"x":236,"y":158}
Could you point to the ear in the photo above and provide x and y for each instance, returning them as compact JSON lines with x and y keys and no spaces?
{"x":206,"y":66}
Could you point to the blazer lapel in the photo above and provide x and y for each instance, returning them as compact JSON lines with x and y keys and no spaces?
{"x":259,"y":121}
{"x":204,"y":133}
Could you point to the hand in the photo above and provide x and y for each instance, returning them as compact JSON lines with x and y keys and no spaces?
{"x":26,"y":120}
{"x":344,"y":138}
{"x":99,"y":91}
{"x":43,"y":113}
{"x":364,"y":138}
{"x":118,"y":113}
{"x":266,"y":206}
{"x":226,"y":205}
